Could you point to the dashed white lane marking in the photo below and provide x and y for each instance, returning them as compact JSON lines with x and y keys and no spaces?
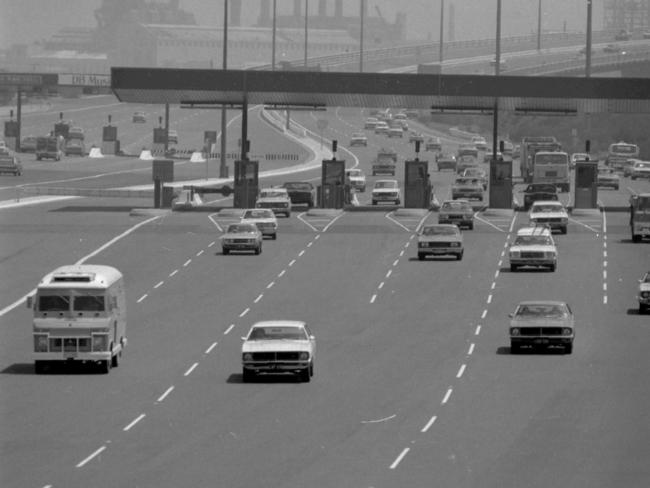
{"x":484,"y":314}
{"x":489,"y":299}
{"x":401,"y":253}
{"x":471,"y":349}
{"x":159,"y":284}
{"x":500,"y":263}
{"x":301,"y":253}
{"x":317,"y":237}
{"x":381,"y":285}
{"x":505,"y":245}
{"x":400,"y":457}
{"x":230,"y":327}
{"x":190,"y":369}
{"x":496,"y":273}
{"x":604,"y":286}
{"x":605,"y":264}
{"x":270,"y":285}
{"x":461,"y":371}
{"x":447,"y":396}
{"x":259,"y":297}
{"x":173,"y":273}
{"x":429,"y":424}
{"x":604,"y":274}
{"x":604,"y":254}
{"x":282,"y":273}
{"x":478,"y":330}
{"x":373,"y":298}
{"x":89,"y":458}
{"x":395,"y":262}
{"x":388,"y":273}
{"x":494,"y":284}
{"x":164,"y":395}
{"x":187,"y":262}
{"x":292,"y":262}
{"x":134,"y":421}
{"x":407,"y":244}
{"x":211,"y":244}
{"x":142,"y":298}
{"x":212,"y":346}
{"x":309,"y":244}
{"x":605,"y":299}
{"x":200,"y":252}
{"x":244,"y":312}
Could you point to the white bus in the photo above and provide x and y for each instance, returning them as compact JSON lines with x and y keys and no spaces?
{"x":79,"y":315}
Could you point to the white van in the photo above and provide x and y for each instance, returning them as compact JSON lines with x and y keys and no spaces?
{"x":79,"y":315}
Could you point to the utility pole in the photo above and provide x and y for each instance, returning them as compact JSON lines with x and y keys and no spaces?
{"x":361,"y":14}
{"x":223,"y":169}
{"x":274,"y":30}
{"x":306,"y":17}
{"x":539,"y":25}
{"x":442,"y":26}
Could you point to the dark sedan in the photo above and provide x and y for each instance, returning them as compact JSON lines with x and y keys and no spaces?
{"x":539,"y":191}
{"x":300,"y":192}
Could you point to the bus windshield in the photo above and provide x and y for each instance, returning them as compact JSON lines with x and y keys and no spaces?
{"x":559,"y":158}
{"x":624,"y":149}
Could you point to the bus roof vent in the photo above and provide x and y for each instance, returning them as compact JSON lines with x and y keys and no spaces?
{"x":73,"y":278}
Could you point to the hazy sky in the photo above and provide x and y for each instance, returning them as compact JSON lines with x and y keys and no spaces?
{"x":25,"y":21}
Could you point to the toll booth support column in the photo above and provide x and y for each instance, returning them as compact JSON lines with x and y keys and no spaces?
{"x":244,"y":130}
{"x":586,"y":184}
{"x":19,"y":117}
{"x":162,"y":171}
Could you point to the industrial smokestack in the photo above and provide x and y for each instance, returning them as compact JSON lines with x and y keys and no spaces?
{"x":338,"y":9}
{"x":297,"y":8}
{"x":235,"y":13}
{"x":322,"y":8}
{"x":265,"y":12}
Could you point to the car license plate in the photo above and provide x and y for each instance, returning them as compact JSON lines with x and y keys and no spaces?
{"x":69,"y":355}
{"x":541,"y":341}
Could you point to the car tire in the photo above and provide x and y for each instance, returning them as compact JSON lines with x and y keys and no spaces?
{"x":513,"y":267}
{"x":258,"y":250}
{"x":105,"y":366}
{"x":515,"y":348}
{"x":459,"y":256}
{"x":471,"y":226}
{"x":636,"y":238}
{"x":642,"y":308}
{"x":304,"y":375}
{"x":115,"y":360}
{"x":274,"y":236}
{"x":568,"y":349}
{"x":311,"y":369}
{"x":247,"y":375}
{"x":552,"y":268}
{"x":374,"y":202}
{"x":39,"y":367}
{"x":421,"y":256}
{"x":225,"y":251}
{"x":563,"y":230}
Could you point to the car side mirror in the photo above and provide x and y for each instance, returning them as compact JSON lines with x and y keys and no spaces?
{"x":243,"y":338}
{"x":511,"y":315}
{"x":311,"y":338}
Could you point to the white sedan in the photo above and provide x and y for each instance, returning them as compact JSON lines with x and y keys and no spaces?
{"x":279,"y":346}
{"x":551,"y":213}
{"x":264,"y":219}
{"x":386,"y":191}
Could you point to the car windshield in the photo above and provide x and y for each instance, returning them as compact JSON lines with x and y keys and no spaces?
{"x":458,"y":206}
{"x":240,"y":228}
{"x":646,"y":278}
{"x":386,"y":184}
{"x":298,"y":186}
{"x":466,"y":181}
{"x":540,"y":189}
{"x":272,"y":194}
{"x":433,"y":230}
{"x":278,"y":334}
{"x":547,"y":208}
{"x":533,"y":241}
{"x":258,"y":214}
{"x":540,"y":310}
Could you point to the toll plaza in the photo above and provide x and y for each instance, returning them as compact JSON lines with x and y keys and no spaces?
{"x":333,"y":189}
{"x":417,"y":184}
{"x":586,"y":184}
{"x":246,"y":183}
{"x":500,"y":183}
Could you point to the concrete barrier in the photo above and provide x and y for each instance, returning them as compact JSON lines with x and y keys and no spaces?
{"x":95,"y":152}
{"x":197,"y":157}
{"x":146,"y":155}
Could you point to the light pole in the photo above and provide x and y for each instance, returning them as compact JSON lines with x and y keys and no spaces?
{"x":223,"y":169}
{"x":361,"y":13}
{"x":588,"y":51}
{"x":539,"y":25}
{"x":306,"y":17}
{"x":495,"y":119}
{"x":442,"y":26}
{"x":273,"y":37}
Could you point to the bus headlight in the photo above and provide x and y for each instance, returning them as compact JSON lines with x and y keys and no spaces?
{"x":40,"y":342}
{"x":100,"y":342}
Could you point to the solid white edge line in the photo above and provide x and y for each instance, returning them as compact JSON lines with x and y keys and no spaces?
{"x":400,"y":457}
{"x":447,"y":395}
{"x":487,"y":222}
{"x":396,"y":222}
{"x":461,"y":371}
{"x":429,"y":424}
{"x":245,"y":312}
{"x":512,"y":224}
{"x":190,"y":369}
{"x":212,"y":346}
{"x":230,"y":327}
{"x":142,"y":298}
{"x":89,"y":458}
{"x":134,"y":421}
{"x":164,"y":395}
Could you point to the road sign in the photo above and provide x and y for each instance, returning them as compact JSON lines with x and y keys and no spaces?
{"x":24,"y":80}
{"x":72,"y":79}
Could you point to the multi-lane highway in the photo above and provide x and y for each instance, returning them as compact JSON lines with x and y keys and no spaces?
{"x":414,"y":384}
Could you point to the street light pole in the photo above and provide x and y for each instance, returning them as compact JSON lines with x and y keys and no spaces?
{"x":588,"y":51}
{"x":442,"y":26}
{"x":223,"y":169}
{"x":306,"y":17}
{"x":539,"y":25}
{"x":273,"y":37}
{"x":495,"y":119}
{"x":361,"y":14}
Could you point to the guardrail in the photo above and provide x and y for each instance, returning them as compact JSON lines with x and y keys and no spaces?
{"x":508,"y":44}
{"x":577,"y":65}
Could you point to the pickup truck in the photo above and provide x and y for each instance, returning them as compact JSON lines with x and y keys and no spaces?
{"x":10,"y":164}
{"x":385,"y":162}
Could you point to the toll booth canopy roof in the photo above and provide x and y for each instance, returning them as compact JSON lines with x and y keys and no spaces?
{"x":526,"y":94}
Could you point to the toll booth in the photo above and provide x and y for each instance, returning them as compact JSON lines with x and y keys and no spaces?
{"x":332,"y":192}
{"x":500,"y":184}
{"x":209,"y":140}
{"x":586,"y":184}
{"x":246,"y":183}
{"x":110,"y":143}
{"x":11,"y":134}
{"x":417,"y":185}
{"x":62,"y":129}
{"x":162,"y":172}
{"x":159,"y":140}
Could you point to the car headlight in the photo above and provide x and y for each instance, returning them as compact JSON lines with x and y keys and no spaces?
{"x":514,"y":331}
{"x":550,"y":254}
{"x":247,"y":356}
{"x":514,"y":254}
{"x":645,"y":294}
{"x":100,"y":342}
{"x":454,"y":244}
{"x":424,"y":244}
{"x":40,"y":342}
{"x":304,"y":356}
{"x":567,"y":331}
